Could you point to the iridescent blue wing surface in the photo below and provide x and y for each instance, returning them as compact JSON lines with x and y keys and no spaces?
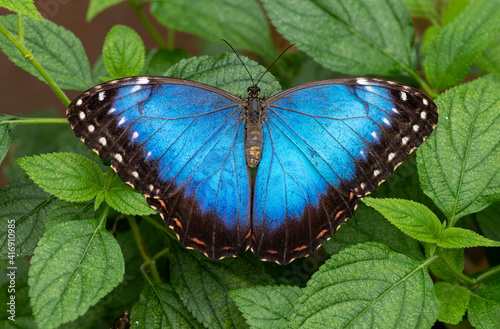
{"x":326,"y":145}
{"x":180,"y":143}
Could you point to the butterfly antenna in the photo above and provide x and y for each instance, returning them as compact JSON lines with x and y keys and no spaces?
{"x":251,"y":78}
{"x":293,"y":44}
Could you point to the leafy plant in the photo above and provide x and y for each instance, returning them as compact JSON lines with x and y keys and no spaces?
{"x":99,"y":250}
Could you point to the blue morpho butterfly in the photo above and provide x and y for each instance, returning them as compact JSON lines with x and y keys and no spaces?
{"x":277,"y":175}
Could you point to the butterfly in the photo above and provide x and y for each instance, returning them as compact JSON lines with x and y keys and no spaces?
{"x":276,"y":175}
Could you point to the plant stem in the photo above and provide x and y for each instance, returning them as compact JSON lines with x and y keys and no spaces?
{"x":20,"y":29}
{"x":488,"y":274}
{"x":140,"y":244}
{"x":460,"y":276}
{"x":137,"y":7}
{"x":27,"y":54}
{"x":28,"y":121}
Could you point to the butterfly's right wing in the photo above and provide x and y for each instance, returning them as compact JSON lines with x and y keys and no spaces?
{"x":180,"y":143}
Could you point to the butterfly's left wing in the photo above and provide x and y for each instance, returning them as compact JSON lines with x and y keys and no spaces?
{"x":326,"y":145}
{"x":180,"y":143}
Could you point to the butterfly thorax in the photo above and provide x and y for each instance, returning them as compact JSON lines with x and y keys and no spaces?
{"x":253,"y":127}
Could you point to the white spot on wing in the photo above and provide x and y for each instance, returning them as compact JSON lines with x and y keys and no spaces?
{"x":79,"y":102}
{"x":363,"y":185}
{"x":376,"y":173}
{"x":122,"y":120}
{"x":404,"y":140}
{"x":395,"y":110}
{"x":415,"y":127}
{"x":386,"y":121}
{"x":362,"y":81}
{"x":91,"y":128}
{"x":391,"y":156}
{"x":118,"y":157}
{"x":135,"y":135}
{"x":143,"y":80}
{"x":423,"y":115}
{"x":425,"y":102}
{"x":101,"y":96}
{"x":102,"y":140}
{"x":148,"y":154}
{"x":135,"y":88}
{"x":81,"y":115}
{"x":404,"y":96}
{"x":151,"y":187}
{"x":111,"y":110}
{"x":374,"y":134}
{"x":135,"y":174}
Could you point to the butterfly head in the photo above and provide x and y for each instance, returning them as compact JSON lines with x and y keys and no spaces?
{"x":253,"y":91}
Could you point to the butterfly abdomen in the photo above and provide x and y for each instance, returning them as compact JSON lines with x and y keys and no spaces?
{"x":253,"y":132}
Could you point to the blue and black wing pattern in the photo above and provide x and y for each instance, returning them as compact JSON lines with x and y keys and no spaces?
{"x":326,"y":145}
{"x":321,"y":147}
{"x":180,"y":143}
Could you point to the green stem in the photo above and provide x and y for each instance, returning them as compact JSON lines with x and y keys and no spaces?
{"x":20,"y":29}
{"x":27,"y":54}
{"x":488,"y":274}
{"x":27,"y":121}
{"x":137,"y":7}
{"x":104,"y":216}
{"x":148,"y":261}
{"x":458,"y":274}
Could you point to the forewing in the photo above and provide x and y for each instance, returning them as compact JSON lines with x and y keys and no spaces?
{"x":327,"y":144}
{"x":180,"y":143}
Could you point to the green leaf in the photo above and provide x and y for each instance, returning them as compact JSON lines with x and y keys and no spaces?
{"x":411,"y":217}
{"x":225,"y":72}
{"x":354,"y":37}
{"x":422,"y":8}
{"x":34,"y":139}
{"x":368,"y":286}
{"x":25,"y":7}
{"x":266,"y":306}
{"x":63,"y":211}
{"x":123,"y":52}
{"x":68,"y":176}
{"x":458,"y":163}
{"x":23,"y":317}
{"x":369,"y":225}
{"x":427,"y":39}
{"x":454,"y":49}
{"x":159,"y":61}
{"x":5,"y":128}
{"x":99,"y":72}
{"x":126,"y":200}
{"x":56,"y":49}
{"x":27,"y":204}
{"x":452,"y":10}
{"x":456,"y":237}
{"x":489,"y":59}
{"x":453,"y":258}
{"x":203,"y":285}
{"x":241,"y":22}
{"x":75,"y":264}
{"x":484,"y":307}
{"x":453,"y":302}
{"x":96,"y":6}
{"x":160,"y":307}
{"x":488,"y":221}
